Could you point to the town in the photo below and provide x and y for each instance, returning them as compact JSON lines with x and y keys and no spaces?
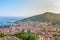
{"x":46,"y":31}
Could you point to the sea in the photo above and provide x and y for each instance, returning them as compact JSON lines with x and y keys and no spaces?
{"x":8,"y":20}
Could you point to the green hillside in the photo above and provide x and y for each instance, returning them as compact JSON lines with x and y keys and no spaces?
{"x":46,"y":17}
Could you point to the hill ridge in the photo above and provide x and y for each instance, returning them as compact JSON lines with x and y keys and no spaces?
{"x":45,"y":17}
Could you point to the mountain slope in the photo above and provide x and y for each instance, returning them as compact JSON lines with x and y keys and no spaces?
{"x":46,"y":17}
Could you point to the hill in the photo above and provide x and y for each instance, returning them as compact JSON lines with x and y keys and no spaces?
{"x":46,"y":17}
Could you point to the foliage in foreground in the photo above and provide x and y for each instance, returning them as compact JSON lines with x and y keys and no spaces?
{"x":26,"y":36}
{"x":2,"y":35}
{"x":22,"y":35}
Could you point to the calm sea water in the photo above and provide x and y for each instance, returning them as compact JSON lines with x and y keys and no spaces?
{"x":7,"y":20}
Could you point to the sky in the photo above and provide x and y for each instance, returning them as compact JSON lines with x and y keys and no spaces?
{"x":27,"y":8}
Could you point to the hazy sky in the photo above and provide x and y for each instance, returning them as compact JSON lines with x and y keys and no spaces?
{"x":28,"y":7}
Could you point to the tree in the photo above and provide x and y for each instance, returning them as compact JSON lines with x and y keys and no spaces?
{"x":32,"y":37}
{"x":2,"y":35}
{"x":26,"y":36}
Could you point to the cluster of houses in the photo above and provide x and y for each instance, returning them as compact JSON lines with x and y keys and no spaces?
{"x":46,"y":31}
{"x":10,"y":38}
